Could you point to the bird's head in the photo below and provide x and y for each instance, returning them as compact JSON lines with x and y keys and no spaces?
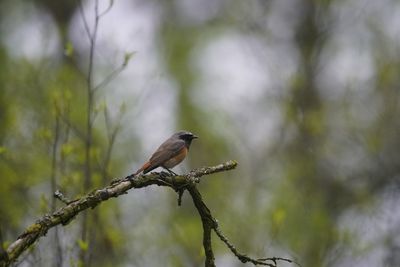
{"x":186,"y":136}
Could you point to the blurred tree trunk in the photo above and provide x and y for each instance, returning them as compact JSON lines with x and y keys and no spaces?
{"x":305,"y":111}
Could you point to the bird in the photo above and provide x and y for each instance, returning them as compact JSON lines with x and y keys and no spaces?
{"x":170,"y":153}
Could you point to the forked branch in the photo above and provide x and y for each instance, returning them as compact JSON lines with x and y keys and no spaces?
{"x":118,"y":187}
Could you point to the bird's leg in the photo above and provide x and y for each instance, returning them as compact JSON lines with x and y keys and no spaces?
{"x":171,"y":172}
{"x":178,"y":190}
{"x":164,"y":174}
{"x":165,"y":182}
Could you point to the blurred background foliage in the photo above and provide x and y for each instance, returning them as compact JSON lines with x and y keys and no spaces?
{"x":304,"y":94}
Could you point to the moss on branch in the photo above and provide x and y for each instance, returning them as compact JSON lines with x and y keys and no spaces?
{"x":119,"y":187}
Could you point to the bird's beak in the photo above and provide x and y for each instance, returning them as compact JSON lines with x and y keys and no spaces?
{"x":195,"y":137}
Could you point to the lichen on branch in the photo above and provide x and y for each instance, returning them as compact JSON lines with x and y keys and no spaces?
{"x":66,"y":214}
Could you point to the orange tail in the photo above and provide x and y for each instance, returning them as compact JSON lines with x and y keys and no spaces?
{"x":145,"y":166}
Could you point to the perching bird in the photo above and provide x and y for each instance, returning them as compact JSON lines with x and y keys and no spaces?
{"x":172,"y":152}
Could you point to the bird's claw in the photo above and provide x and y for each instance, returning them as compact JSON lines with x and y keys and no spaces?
{"x":164,"y":174}
{"x":174,"y":174}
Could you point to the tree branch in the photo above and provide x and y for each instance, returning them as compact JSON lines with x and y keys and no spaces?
{"x":210,"y":223}
{"x":118,"y":187}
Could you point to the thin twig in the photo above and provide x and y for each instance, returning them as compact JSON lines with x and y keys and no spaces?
{"x":84,"y":20}
{"x":112,"y":132}
{"x":65,"y":118}
{"x":111,"y":76}
{"x":54,"y":153}
{"x":60,"y":196}
{"x":78,"y":132}
{"x":58,"y":257}
{"x":110,"y":5}
{"x":244,"y":258}
{"x":87,"y":183}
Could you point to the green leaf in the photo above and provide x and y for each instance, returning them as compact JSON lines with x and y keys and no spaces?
{"x":44,"y":133}
{"x":3,"y":150}
{"x":66,"y":149}
{"x":127,"y":58}
{"x":69,"y":49}
{"x":278,"y":216}
{"x":83,"y":245}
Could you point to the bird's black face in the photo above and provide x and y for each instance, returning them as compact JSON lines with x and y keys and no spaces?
{"x":187,"y":136}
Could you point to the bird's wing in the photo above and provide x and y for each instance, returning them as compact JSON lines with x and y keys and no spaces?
{"x":166,"y":151}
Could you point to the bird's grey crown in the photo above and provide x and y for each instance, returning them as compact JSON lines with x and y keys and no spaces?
{"x":184,"y":133}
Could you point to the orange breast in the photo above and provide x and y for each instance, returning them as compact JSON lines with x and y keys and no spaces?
{"x":177,"y":159}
